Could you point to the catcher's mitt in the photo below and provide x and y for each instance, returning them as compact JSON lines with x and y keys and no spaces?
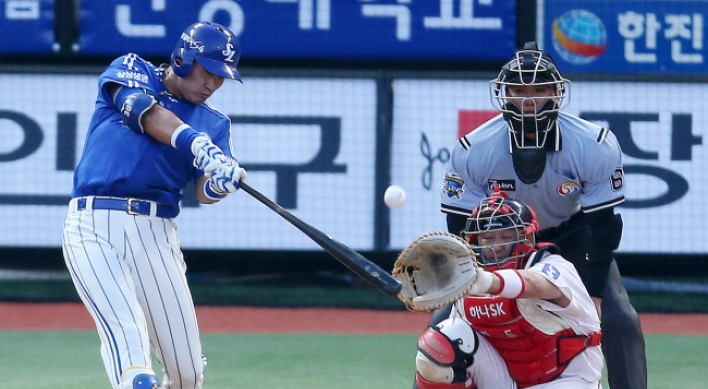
{"x":436,"y":269}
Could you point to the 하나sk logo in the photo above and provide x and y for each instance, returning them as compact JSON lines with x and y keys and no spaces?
{"x":568,"y":188}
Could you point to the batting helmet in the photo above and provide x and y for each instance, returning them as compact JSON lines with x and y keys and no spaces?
{"x":210,"y":44}
{"x":530,"y":66}
{"x":498,"y":213}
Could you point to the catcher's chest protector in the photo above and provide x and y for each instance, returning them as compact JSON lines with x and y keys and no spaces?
{"x":531,"y":356}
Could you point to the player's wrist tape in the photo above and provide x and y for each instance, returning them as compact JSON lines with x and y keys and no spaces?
{"x":512,"y":284}
{"x":211,"y":194}
{"x":183,"y":136}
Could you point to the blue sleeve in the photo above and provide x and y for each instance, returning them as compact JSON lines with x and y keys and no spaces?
{"x":222,"y":137}
{"x":129,"y":70}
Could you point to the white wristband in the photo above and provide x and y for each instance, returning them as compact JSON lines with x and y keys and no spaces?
{"x":175,"y":134}
{"x":512,"y":284}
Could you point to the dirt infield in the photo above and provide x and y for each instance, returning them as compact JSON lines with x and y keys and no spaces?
{"x":73,"y":316}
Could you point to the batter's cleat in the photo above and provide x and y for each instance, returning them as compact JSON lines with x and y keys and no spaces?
{"x":146,"y":381}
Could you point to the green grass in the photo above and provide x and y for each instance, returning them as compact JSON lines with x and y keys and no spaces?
{"x":310,"y":361}
{"x":51,"y":360}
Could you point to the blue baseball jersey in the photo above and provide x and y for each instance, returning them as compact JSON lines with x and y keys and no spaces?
{"x":119,"y":162}
{"x":585,"y":174}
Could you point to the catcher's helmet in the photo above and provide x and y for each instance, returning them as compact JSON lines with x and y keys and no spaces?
{"x":530,"y":67}
{"x":212,"y":45}
{"x":499,"y":213}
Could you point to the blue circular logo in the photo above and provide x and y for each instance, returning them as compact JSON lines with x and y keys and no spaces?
{"x":579,"y":36}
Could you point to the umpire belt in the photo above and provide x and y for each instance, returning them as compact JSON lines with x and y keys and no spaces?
{"x":128,"y":205}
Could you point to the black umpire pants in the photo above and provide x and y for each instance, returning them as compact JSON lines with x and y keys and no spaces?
{"x":622,"y":340}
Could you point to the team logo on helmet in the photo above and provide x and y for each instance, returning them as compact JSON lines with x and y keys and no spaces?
{"x":193,"y":44}
{"x":228,"y":53}
{"x":567,"y":188}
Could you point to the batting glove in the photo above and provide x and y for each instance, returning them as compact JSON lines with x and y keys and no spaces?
{"x":224,"y":180}
{"x":207,"y":156}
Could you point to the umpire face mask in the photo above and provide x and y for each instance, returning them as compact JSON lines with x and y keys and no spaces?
{"x":529,"y":92}
{"x":532,"y":114}
{"x":538,"y":131}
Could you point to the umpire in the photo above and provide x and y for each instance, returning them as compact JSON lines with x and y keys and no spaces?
{"x":570,"y":172}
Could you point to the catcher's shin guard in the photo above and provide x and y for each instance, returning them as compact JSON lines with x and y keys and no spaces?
{"x":444,"y":353}
{"x":146,"y":381}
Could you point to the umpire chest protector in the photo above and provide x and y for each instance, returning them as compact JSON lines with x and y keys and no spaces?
{"x":529,"y":164}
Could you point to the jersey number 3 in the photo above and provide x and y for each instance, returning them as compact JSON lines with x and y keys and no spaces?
{"x":551,"y":271}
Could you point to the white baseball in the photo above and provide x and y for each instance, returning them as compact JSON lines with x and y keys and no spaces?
{"x":395,"y":196}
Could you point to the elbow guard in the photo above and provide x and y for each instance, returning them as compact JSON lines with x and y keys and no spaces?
{"x":134,"y":105}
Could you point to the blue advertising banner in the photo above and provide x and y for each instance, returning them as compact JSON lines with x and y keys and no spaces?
{"x":310,"y":29}
{"x":26,"y":26}
{"x":625,"y":36}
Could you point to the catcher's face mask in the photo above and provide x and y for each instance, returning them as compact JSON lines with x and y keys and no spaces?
{"x":501,"y":231}
{"x":502,"y":248}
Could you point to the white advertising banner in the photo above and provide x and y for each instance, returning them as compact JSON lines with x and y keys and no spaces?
{"x":307,"y":143}
{"x":662,"y":128}
{"x":310,"y":144}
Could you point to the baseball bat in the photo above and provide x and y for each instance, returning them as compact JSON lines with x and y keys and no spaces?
{"x":369,"y":271}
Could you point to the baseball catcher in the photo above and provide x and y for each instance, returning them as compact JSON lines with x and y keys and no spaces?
{"x":524,"y":319}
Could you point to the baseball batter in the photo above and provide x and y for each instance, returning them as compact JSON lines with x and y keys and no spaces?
{"x":570,"y":172}
{"x":528,"y":320}
{"x":152,"y":133}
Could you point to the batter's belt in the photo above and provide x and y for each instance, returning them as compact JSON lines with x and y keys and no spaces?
{"x":129,"y":205}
